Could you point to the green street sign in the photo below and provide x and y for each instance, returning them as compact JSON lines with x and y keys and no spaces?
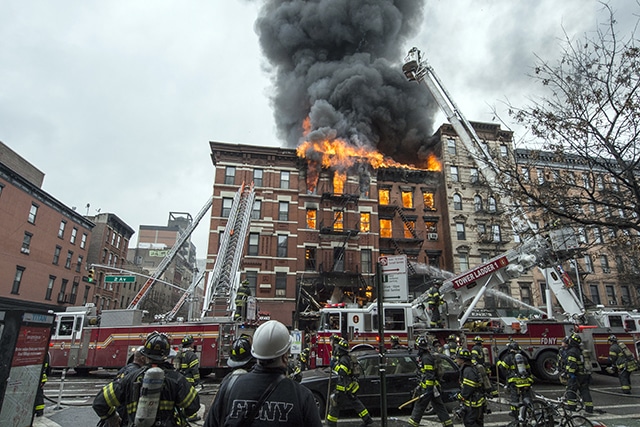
{"x":119,"y":279}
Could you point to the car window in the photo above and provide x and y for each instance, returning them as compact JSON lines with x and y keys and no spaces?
{"x":401,"y":364}
{"x":369,"y":365}
{"x":449,"y":366}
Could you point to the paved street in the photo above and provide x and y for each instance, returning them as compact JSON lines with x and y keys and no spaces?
{"x":75,"y":410}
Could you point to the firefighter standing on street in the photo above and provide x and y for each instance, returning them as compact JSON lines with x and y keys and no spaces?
{"x":622,"y":362}
{"x":477,"y":352}
{"x":562,"y":361}
{"x":434,"y":301}
{"x":243,"y":294}
{"x":176,"y":393}
{"x":578,"y":375}
{"x":44,"y":376}
{"x":187,"y":361}
{"x":429,"y":386}
{"x":395,"y":343}
{"x":518,"y":374}
{"x":471,"y":391}
{"x":346,"y":388}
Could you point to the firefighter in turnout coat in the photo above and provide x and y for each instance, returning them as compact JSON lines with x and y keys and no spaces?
{"x":519,"y":377}
{"x":434,"y":301}
{"x":177,"y":394}
{"x":471,"y":393}
{"x":579,"y":378}
{"x":429,"y":386}
{"x":622,"y":362}
{"x":187,"y":361}
{"x":347,"y":386}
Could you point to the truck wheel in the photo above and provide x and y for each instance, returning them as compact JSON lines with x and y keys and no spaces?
{"x":547,"y":366}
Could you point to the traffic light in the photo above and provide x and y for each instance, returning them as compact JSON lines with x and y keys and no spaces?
{"x":91,"y":273}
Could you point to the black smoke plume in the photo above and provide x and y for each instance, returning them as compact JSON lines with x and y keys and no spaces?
{"x":339,"y":63}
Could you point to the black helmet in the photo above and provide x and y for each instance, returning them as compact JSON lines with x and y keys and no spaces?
{"x":187,"y":341}
{"x":612,"y":338}
{"x":156,"y":347}
{"x":513,"y":346}
{"x":395,"y":339}
{"x":422,"y":343}
{"x":463,"y":354}
{"x":478,"y":338}
{"x":452,"y":337}
{"x":575,"y":340}
{"x":240,"y":353}
{"x":342,"y":345}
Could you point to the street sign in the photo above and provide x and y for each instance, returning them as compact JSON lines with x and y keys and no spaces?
{"x":120,"y":279}
{"x":394,"y":277}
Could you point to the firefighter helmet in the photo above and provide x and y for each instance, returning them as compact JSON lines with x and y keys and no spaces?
{"x":271,"y":340}
{"x":452,"y":337}
{"x":575,"y":340}
{"x":395,"y":339}
{"x":565,"y":340}
{"x":156,"y":347}
{"x":463,"y":354}
{"x":612,"y":338}
{"x":513,"y":346}
{"x":187,"y":341}
{"x":342,"y":346}
{"x":240,"y":353}
{"x":422,"y":343}
{"x":478,"y":338}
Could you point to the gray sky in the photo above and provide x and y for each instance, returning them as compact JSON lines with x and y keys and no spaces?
{"x":115,"y":101}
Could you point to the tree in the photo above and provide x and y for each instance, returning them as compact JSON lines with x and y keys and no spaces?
{"x":587,"y":123}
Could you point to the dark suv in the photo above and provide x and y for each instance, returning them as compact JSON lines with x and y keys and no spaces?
{"x":401,"y":380}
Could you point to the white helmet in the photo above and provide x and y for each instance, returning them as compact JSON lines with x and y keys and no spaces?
{"x":270,"y":340}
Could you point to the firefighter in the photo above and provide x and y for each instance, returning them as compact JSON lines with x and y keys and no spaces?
{"x":242,"y":295}
{"x":471,"y":393}
{"x":429,"y":376}
{"x":335,"y":340}
{"x":434,"y":301}
{"x":395,"y":343}
{"x":451,"y":347}
{"x":176,"y":395}
{"x":44,"y":376}
{"x":187,"y":361}
{"x":622,"y":362}
{"x":136,"y":363}
{"x":518,"y":374}
{"x":578,"y":375}
{"x":477,"y":351}
{"x":344,"y":395}
{"x":240,"y":358}
{"x":562,"y":361}
{"x":285,"y":402}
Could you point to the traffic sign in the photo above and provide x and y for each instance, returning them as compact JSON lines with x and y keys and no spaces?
{"x":120,"y":279}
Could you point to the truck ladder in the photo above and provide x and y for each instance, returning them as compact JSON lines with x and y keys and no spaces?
{"x":223,"y":279}
{"x":164,"y":264}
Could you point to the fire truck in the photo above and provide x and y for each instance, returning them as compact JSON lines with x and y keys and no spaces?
{"x":540,"y":338}
{"x":86,"y":340}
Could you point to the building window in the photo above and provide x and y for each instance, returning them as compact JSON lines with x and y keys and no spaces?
{"x":463,"y":259}
{"x":254,"y":239}
{"x":252,"y":278}
{"x":385,"y":228}
{"x":473,"y":176}
{"x":597,"y":234}
{"x":47,"y":295}
{"x":284,"y":180}
{"x":365,"y":222}
{"x":74,"y":292}
{"x":74,"y":233}
{"x":108,"y":235}
{"x":63,"y":224}
{"x":599,"y":182}
{"x":56,"y":255}
{"x":338,"y":221}
{"x":283,"y":211}
{"x":543,"y":291}
{"x":33,"y":212}
{"x":457,"y":202}
{"x":85,"y":296}
{"x":595,"y":294}
{"x":503,"y":151}
{"x":491,"y":201}
{"x":611,"y":295}
{"x":540,"y":175}
{"x":83,"y":241}
{"x":282,"y":246}
{"x":26,"y":243}
{"x":477,"y":203}
{"x":1,"y":187}
{"x":460,"y":231}
{"x":588,"y":264}
{"x":256,"y":209}
{"x":582,"y":235}
{"x":407,"y":199}
{"x":226,"y":207}
{"x":625,"y":295}
{"x":454,"y":174}
{"x":113,"y":238}
{"x":495,"y":233}
{"x":409,"y":229}
{"x":604,"y":264}
{"x":525,"y":173}
{"x":451,"y":146}
{"x":118,"y":242}
{"x":17,"y":279}
{"x":619,"y":264}
{"x":384,"y":196}
{"x":482,"y":230}
{"x":428,"y":198}
{"x":525,"y":294}
{"x":79,"y":264}
{"x":366,"y":265}
{"x":63,"y":289}
{"x":310,"y":258}
{"x":614,"y":183}
{"x":67,"y":263}
{"x":230,"y":175}
{"x":281,"y":284}
{"x":257,"y":177}
{"x":312,"y":218}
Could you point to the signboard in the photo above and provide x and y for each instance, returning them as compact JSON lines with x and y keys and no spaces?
{"x":478,"y":272}
{"x":296,"y":344}
{"x":120,"y":279}
{"x":394,"y":277}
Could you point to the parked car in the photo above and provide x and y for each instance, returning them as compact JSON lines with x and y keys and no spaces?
{"x":401,"y":380}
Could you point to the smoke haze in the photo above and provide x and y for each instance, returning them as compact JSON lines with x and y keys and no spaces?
{"x":338,"y":63}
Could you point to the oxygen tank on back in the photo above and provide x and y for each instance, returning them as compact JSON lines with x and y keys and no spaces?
{"x":149,"y":397}
{"x":521,"y":365}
